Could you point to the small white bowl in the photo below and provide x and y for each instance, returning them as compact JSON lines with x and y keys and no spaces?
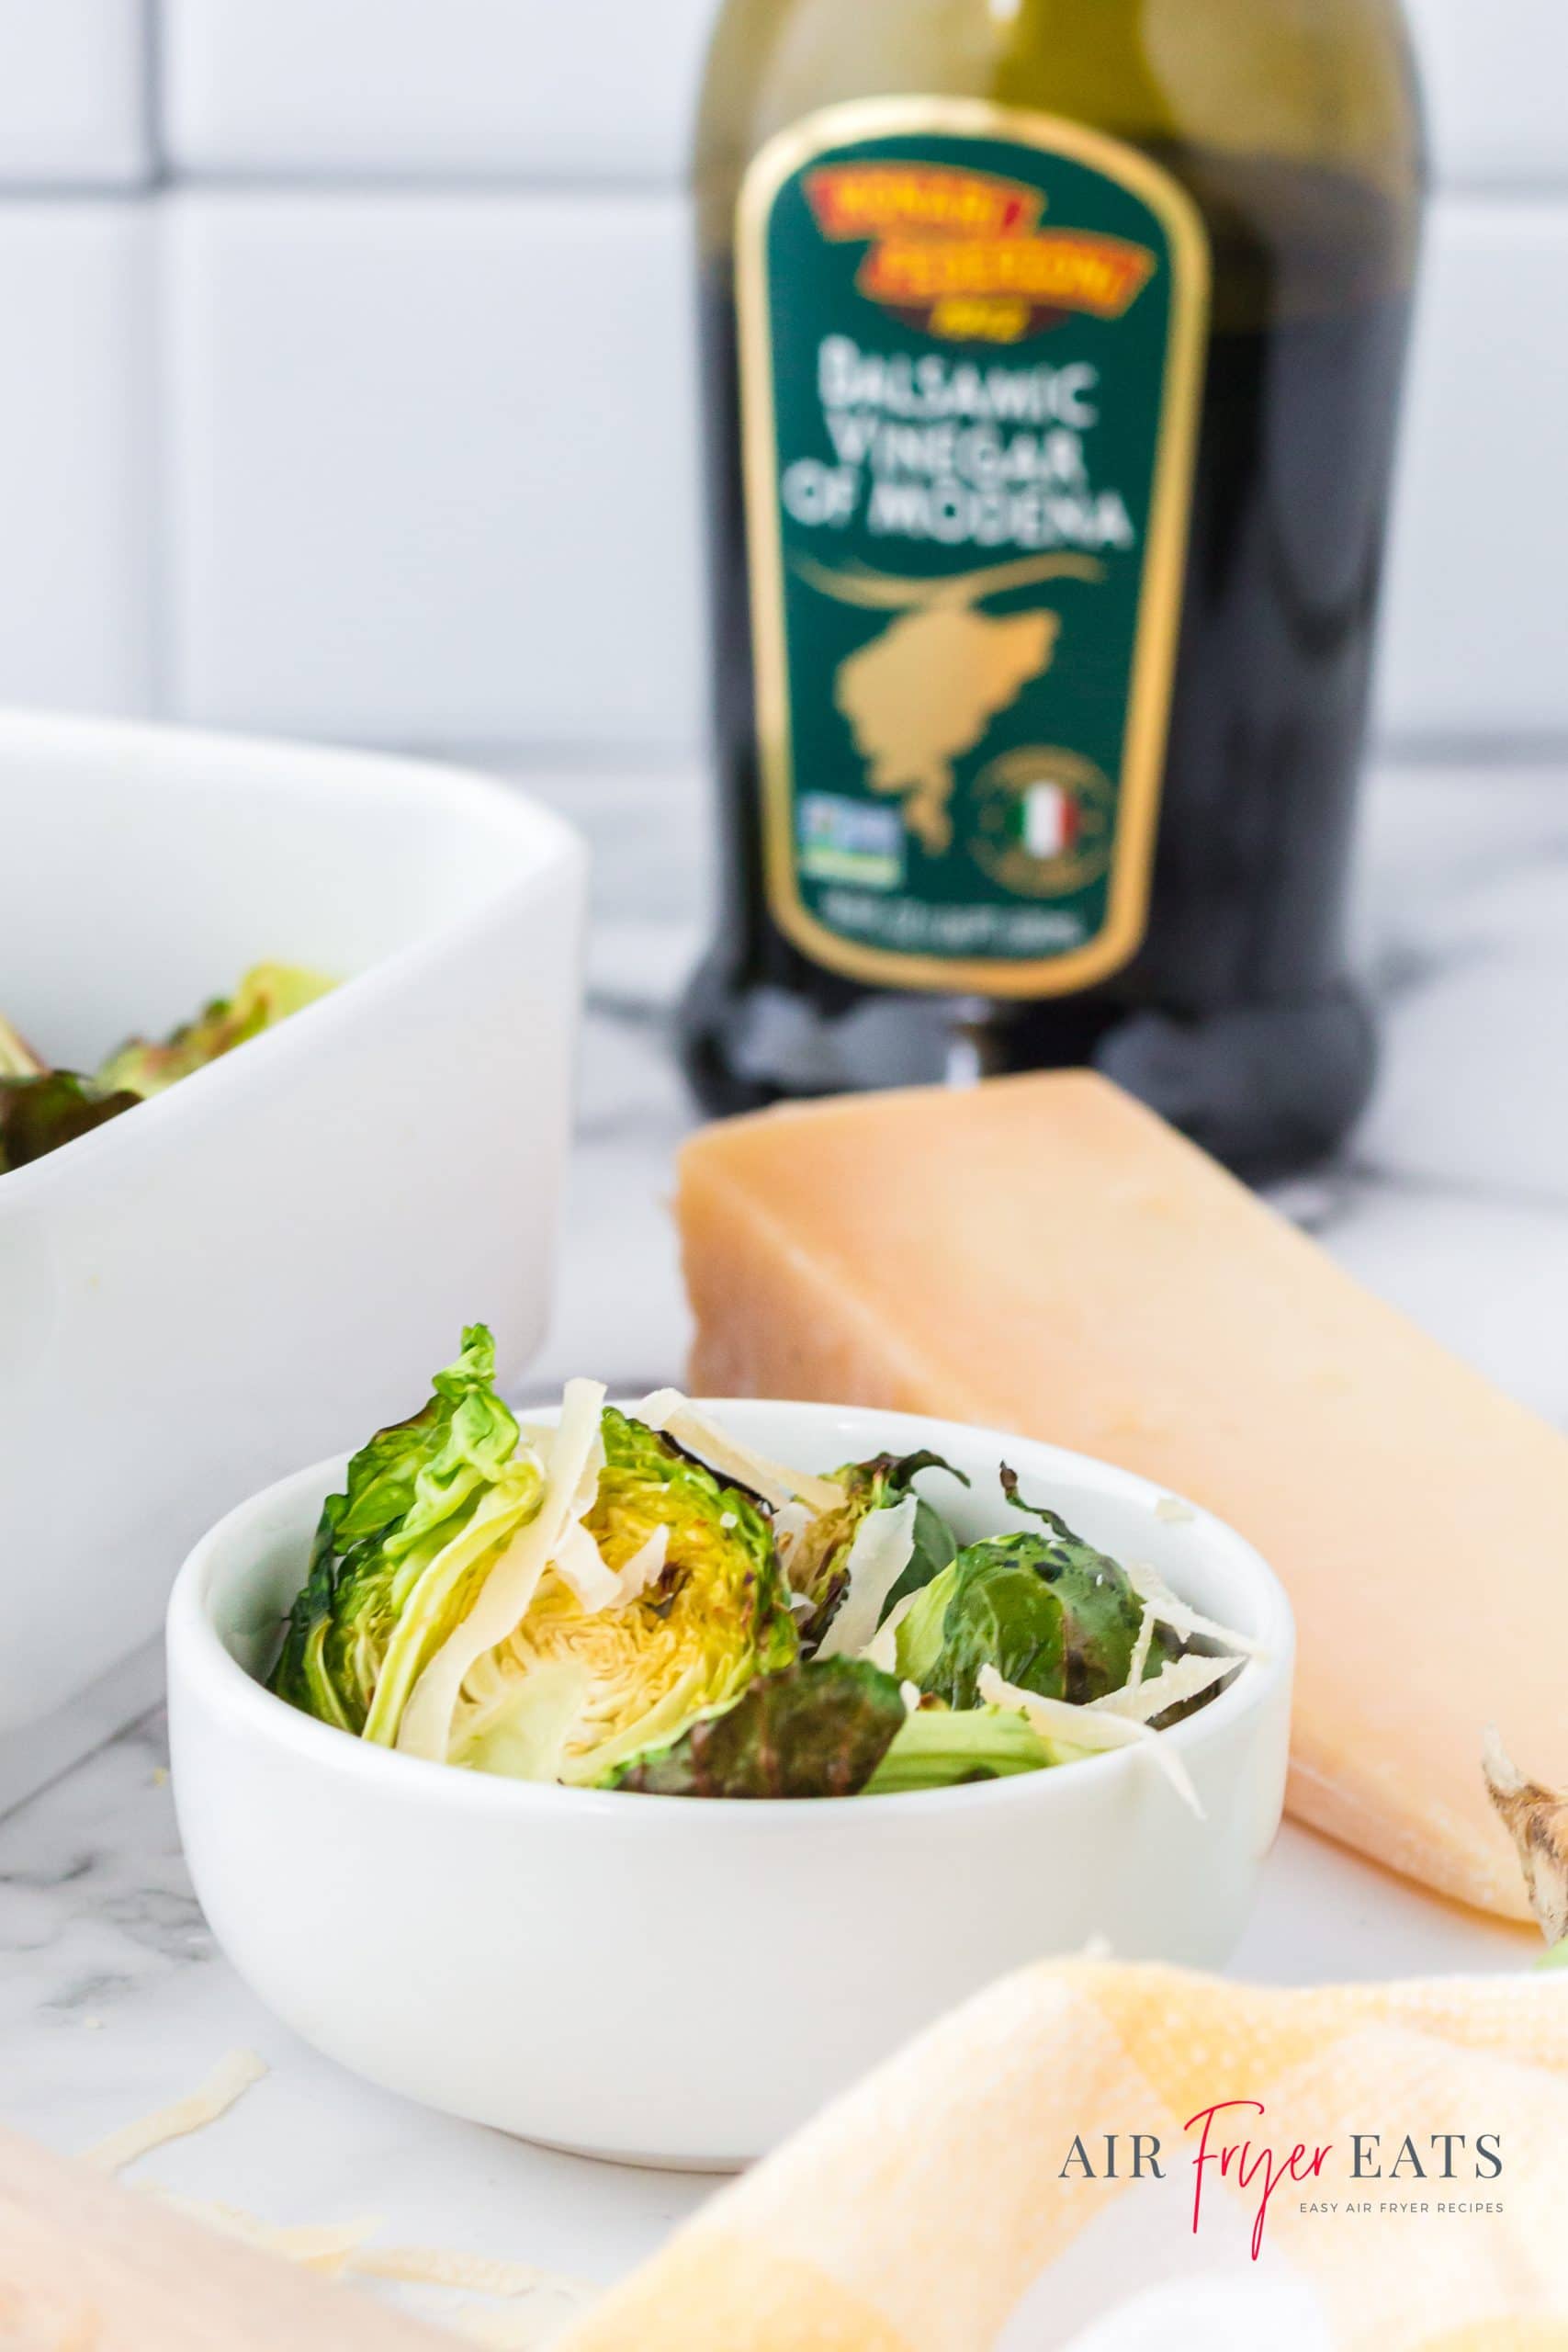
{"x":246,"y":1270}
{"x":672,"y":1980}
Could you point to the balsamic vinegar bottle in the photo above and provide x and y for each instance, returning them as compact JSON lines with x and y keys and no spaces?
{"x":1053,"y":354}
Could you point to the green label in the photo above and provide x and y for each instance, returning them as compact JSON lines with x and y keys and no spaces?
{"x":971,"y":364}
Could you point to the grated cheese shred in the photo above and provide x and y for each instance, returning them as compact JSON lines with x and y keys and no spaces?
{"x":341,"y":2249}
{"x":229,"y":2081}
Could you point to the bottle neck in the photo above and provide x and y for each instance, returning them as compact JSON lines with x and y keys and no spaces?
{"x":1100,"y":71}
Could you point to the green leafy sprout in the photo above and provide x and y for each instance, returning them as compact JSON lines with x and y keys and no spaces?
{"x":42,"y":1109}
{"x":625,"y":1615}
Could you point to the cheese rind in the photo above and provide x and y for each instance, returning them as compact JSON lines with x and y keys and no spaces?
{"x":1044,"y":1255}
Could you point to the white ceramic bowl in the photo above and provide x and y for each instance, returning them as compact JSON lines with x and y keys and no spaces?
{"x":671,"y":1979}
{"x":264,"y":1261}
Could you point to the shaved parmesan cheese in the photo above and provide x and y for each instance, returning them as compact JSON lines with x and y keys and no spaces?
{"x":580,"y":1563}
{"x":341,"y":2249}
{"x":911,"y":1694}
{"x":474,"y":2274}
{"x":1138,"y":1662}
{"x":571,"y":1482}
{"x":882,"y":1647}
{"x":1174,"y":1511}
{"x":1060,"y":1722}
{"x":1184,"y":1679}
{"x":229,"y":2081}
{"x":883,"y":1548}
{"x":644,"y":1568}
{"x":328,"y":2247}
{"x":679,"y":1419}
{"x":790,"y":1523}
{"x":1156,"y":1596}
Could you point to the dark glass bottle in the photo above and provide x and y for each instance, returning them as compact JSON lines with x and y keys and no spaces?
{"x":1053,"y":356}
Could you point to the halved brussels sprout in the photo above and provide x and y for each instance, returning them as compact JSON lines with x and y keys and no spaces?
{"x":398,"y":1554}
{"x":576,"y":1690}
{"x":817,"y":1556}
{"x":39,"y":1113}
{"x":267,"y":994}
{"x":1048,"y":1612}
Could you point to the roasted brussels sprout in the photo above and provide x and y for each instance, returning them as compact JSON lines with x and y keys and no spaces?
{"x":398,"y":1554}
{"x":1049,"y":1612}
{"x":818,"y":1729}
{"x":817,"y":1553}
{"x":940,"y":1747}
{"x":593,"y":1604}
{"x":267,"y":994}
{"x":38,"y":1113}
{"x":693,"y":1611}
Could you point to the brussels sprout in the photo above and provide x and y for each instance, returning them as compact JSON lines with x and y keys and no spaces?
{"x":267,"y":994}
{"x":39,"y":1113}
{"x":1049,"y":1612}
{"x":18,"y":1059}
{"x":817,"y":1560}
{"x":938,"y":1747}
{"x":575,"y":1691}
{"x":818,"y":1729}
{"x":398,"y":1554}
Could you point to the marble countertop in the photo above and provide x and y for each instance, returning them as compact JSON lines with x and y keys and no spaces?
{"x":1453,"y":1202}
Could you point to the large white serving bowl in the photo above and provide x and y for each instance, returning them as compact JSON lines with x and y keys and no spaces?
{"x":676,"y":1980}
{"x":264,"y":1261}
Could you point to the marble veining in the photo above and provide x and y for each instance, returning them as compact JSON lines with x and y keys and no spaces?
{"x":1452,"y":1201}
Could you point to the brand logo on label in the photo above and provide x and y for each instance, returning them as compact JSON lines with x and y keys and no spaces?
{"x":961,"y":254}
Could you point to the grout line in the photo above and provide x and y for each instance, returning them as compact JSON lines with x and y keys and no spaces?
{"x":335,"y":185}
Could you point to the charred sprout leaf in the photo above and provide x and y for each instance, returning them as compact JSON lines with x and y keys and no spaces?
{"x":398,"y":1556}
{"x":266,"y":995}
{"x":576,"y":1690}
{"x":1054,"y":1520}
{"x":18,"y":1059}
{"x":1049,"y":1612}
{"x":817,"y":1562}
{"x":37,"y":1115}
{"x":818,"y":1729}
{"x":941,"y":1748}
{"x":990,"y":1608}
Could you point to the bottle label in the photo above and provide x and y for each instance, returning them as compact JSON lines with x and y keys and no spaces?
{"x":971,"y":348}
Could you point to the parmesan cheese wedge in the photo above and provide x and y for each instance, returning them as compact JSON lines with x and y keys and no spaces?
{"x":1043,"y":1254}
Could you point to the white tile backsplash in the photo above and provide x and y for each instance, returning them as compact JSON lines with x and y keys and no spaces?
{"x":567,"y":89}
{"x":1496,"y":74}
{"x":432,"y":471}
{"x":603,"y":89}
{"x":421,"y":383}
{"x":1477,"y":635}
{"x":76,"y":429}
{"x":435,"y":473}
{"x":73,"y":95}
